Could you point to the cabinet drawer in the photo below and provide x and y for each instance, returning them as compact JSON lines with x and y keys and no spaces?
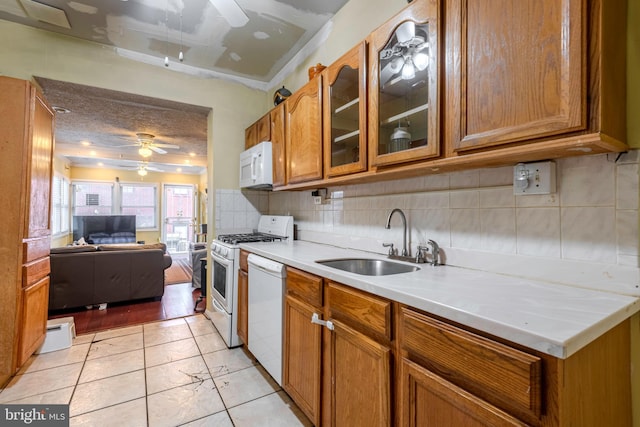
{"x":499,"y":374}
{"x":35,"y":271}
{"x":360,"y":309}
{"x":244,"y":266}
{"x":305,"y":286}
{"x":33,"y":249}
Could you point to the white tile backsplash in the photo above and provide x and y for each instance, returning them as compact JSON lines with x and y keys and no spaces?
{"x":627,"y":195}
{"x":239,"y":211}
{"x":589,"y":234}
{"x":538,"y":232}
{"x":591,"y":221}
{"x":587,"y":181}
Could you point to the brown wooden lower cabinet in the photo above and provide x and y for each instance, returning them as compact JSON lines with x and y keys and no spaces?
{"x":243,"y":304}
{"x":431,"y":401}
{"x":360,"y":377}
{"x":35,"y":303}
{"x":375,"y":362}
{"x":243,"y":298}
{"x":302,"y":357}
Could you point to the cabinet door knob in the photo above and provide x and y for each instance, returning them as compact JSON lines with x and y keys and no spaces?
{"x":316,"y":319}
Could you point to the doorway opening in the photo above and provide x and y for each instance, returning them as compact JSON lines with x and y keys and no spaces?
{"x":179,"y":217}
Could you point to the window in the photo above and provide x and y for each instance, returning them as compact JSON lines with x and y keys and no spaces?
{"x":60,"y":205}
{"x":140,"y":200}
{"x":106,"y":198}
{"x":93,"y":198}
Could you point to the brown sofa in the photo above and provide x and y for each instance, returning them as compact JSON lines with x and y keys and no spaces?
{"x":91,"y":275}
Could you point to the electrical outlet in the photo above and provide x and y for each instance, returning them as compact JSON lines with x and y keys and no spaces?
{"x":534,"y":178}
{"x":317,"y":200}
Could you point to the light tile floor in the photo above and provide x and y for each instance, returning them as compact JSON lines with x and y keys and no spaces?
{"x":171,"y":373}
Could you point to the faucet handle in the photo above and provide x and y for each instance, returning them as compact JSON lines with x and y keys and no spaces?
{"x":390,"y":246}
{"x":435,"y":252}
{"x":420,"y":258}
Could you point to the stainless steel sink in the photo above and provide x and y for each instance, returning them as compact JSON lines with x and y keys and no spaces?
{"x":368,"y":267}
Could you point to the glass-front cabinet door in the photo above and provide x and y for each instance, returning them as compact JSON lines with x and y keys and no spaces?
{"x":345,"y":112}
{"x":404,"y":87}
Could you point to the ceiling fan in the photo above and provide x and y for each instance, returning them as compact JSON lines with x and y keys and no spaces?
{"x":406,"y":55}
{"x":148,"y":146}
{"x":143,"y":168}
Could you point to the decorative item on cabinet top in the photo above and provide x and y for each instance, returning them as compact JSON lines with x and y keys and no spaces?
{"x":315,"y":70}
{"x":280,"y":95}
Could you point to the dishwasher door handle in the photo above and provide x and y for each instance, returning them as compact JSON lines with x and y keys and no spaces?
{"x":266,"y":265}
{"x":316,"y":319}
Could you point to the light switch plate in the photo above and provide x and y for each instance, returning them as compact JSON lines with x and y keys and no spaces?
{"x":534,"y":178}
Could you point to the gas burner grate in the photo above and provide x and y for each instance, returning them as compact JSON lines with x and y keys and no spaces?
{"x":235,"y":239}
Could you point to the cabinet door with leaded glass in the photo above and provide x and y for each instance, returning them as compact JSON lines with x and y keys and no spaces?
{"x":404,"y":86}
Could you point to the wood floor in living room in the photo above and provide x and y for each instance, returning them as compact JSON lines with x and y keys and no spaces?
{"x":178,"y":301}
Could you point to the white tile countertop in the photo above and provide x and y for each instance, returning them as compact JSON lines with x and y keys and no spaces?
{"x":551,"y":318}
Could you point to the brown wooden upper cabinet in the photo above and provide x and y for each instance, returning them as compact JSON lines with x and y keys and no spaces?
{"x":277,"y":116}
{"x":345,"y":113}
{"x":523,"y":71}
{"x":258,"y":132}
{"x":303,"y":133}
{"x":404,"y":89}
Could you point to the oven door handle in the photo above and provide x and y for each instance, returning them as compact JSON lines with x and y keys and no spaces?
{"x":222,"y":260}
{"x":218,"y":306}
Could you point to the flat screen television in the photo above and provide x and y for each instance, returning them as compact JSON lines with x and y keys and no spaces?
{"x":103,"y":229}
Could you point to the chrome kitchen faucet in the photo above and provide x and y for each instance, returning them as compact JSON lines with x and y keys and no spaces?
{"x":404,"y":236}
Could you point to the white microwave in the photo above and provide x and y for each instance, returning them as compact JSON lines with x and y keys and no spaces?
{"x":256,"y":170}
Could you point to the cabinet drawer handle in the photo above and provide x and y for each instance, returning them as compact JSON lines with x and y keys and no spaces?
{"x":316,"y":319}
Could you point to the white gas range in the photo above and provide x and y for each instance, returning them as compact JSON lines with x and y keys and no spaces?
{"x":225,"y":257}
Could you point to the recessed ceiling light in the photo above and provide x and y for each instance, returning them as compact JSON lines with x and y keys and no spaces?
{"x":100,"y":164}
{"x":93,"y":153}
{"x":261,"y":35}
{"x":60,"y":110}
{"x":179,"y":170}
{"x":192,"y":154}
{"x":86,"y":143}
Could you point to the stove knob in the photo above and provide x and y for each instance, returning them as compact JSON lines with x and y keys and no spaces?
{"x":225,"y":252}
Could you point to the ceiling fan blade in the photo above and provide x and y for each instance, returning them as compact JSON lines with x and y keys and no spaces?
{"x":166,"y":145}
{"x":232,"y":12}
{"x":406,"y":31}
{"x":157,"y":150}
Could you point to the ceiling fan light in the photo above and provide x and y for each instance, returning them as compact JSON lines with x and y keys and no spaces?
{"x":142,"y":172}
{"x":421,"y":60}
{"x":145,"y":152}
{"x":408,"y":71}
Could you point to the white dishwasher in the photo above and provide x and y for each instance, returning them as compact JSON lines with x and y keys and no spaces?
{"x":265,"y":313}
